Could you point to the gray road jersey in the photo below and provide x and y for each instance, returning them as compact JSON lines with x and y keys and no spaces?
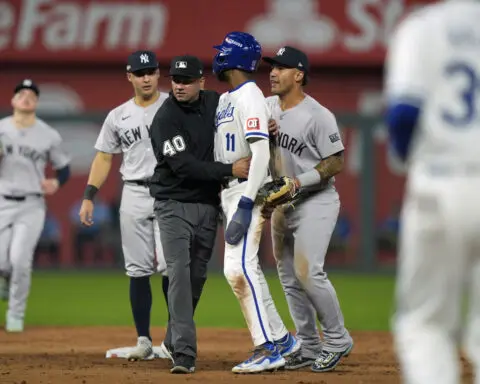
{"x":26,"y":153}
{"x":308,"y":134}
{"x":127,"y":130}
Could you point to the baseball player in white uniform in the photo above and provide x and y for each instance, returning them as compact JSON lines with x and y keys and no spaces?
{"x":127,"y":130}
{"x":433,"y":93}
{"x":27,"y":144}
{"x":241,"y":121}
{"x":309,"y":150}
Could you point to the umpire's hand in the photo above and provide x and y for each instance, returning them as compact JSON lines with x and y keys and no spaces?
{"x":241,"y":167}
{"x":86,"y":212}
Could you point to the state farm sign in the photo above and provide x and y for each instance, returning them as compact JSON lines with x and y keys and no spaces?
{"x":60,"y":25}
{"x":339,"y":32}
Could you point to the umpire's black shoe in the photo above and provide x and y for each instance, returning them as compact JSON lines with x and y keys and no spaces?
{"x":183,"y":364}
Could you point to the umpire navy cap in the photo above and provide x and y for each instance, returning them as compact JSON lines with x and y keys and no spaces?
{"x":27,"y":84}
{"x":289,"y":57}
{"x":140,"y":60}
{"x":187,"y":66}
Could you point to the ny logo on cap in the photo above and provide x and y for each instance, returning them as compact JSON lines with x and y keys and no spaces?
{"x":280,"y":51}
{"x":181,"y":64}
{"x":27,"y":83}
{"x":144,"y":58}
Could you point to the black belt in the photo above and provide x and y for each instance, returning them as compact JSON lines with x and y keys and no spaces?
{"x":228,"y":181}
{"x":20,"y":198}
{"x":143,"y":183}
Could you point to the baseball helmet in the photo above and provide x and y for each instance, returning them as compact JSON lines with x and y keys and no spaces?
{"x":239,"y":50}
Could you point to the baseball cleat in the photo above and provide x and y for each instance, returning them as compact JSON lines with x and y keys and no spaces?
{"x":327,"y":361}
{"x":14,"y":325}
{"x":265,"y":358}
{"x":288,"y":345}
{"x":297,"y":361}
{"x":168,"y":351}
{"x":143,"y":350}
{"x":183,"y":364}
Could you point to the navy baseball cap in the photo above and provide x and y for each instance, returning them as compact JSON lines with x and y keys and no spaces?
{"x":289,"y":57}
{"x":187,"y":66}
{"x":140,"y":60}
{"x":27,"y":84}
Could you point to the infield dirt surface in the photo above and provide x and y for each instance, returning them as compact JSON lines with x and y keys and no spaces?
{"x":77,"y":355}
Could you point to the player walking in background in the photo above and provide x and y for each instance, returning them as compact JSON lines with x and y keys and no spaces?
{"x":127,"y":130}
{"x":309,"y":150}
{"x":26,"y":145}
{"x":242,"y":120}
{"x":433,"y":92}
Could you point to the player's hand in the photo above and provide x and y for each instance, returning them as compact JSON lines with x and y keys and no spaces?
{"x":238,"y":226}
{"x":272,"y":127}
{"x":241,"y":167}
{"x":86,"y":213}
{"x":50,"y":186}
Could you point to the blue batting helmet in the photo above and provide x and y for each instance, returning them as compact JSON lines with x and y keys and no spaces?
{"x":239,"y":50}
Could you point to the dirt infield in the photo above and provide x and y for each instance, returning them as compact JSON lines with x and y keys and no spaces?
{"x":77,"y":355}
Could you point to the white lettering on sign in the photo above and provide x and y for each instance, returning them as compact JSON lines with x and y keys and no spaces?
{"x":363,"y":25}
{"x":66,"y":25}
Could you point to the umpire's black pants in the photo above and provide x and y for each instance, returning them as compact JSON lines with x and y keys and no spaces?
{"x":187,"y":233}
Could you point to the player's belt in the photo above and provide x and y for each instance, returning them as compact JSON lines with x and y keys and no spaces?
{"x":143,"y":183}
{"x":21,"y":198}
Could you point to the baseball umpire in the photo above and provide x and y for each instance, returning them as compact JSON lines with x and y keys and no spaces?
{"x":186,"y":186}
{"x":27,"y":145}
{"x":127,"y":130}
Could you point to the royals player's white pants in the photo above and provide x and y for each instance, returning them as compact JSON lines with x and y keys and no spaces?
{"x":439,"y":263}
{"x":243,"y":272}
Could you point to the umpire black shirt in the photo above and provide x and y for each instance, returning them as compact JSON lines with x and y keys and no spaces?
{"x":182,"y":136}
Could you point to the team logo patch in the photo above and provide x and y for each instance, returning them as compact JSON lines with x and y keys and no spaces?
{"x":334,"y":137}
{"x":253,"y":124}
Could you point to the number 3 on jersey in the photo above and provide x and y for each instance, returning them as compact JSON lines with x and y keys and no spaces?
{"x":230,"y":140}
{"x":468,"y":96}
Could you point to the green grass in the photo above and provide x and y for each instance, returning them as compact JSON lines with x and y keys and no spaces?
{"x":99,"y":298}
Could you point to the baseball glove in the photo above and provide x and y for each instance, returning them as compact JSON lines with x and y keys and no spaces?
{"x":277,"y":192}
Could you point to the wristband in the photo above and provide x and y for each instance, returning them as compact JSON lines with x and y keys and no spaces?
{"x":246,"y":203}
{"x":90,"y":192}
{"x":309,"y":178}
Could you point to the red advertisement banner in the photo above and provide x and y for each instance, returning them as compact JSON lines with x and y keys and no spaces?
{"x":340,"y":32}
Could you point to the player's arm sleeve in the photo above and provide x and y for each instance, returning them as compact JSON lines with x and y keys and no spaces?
{"x":108,"y":140}
{"x":169,"y":144}
{"x":407,"y":80}
{"x":58,"y":155}
{"x":255,"y":127}
{"x":60,"y":159}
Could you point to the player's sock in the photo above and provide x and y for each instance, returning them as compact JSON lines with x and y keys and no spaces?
{"x":165,"y":283}
{"x":141,"y":302}
{"x":195,"y":301}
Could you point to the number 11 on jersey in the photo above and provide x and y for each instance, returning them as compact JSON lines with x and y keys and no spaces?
{"x":230,"y":141}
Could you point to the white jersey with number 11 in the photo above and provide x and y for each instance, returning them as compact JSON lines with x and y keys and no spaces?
{"x":242,"y":113}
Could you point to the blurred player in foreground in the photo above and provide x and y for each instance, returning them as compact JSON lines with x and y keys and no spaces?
{"x":27,"y":144}
{"x":308,"y":150}
{"x":242,"y":130}
{"x":433,"y":89}
{"x":127,"y":130}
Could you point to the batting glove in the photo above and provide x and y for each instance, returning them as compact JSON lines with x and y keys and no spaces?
{"x":238,"y":226}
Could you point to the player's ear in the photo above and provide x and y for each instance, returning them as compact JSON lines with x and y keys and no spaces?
{"x":299,"y":76}
{"x":202,"y":83}
{"x":129,"y":77}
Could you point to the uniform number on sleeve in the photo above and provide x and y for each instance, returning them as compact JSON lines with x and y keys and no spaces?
{"x":230,"y":140}
{"x":172,"y":147}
